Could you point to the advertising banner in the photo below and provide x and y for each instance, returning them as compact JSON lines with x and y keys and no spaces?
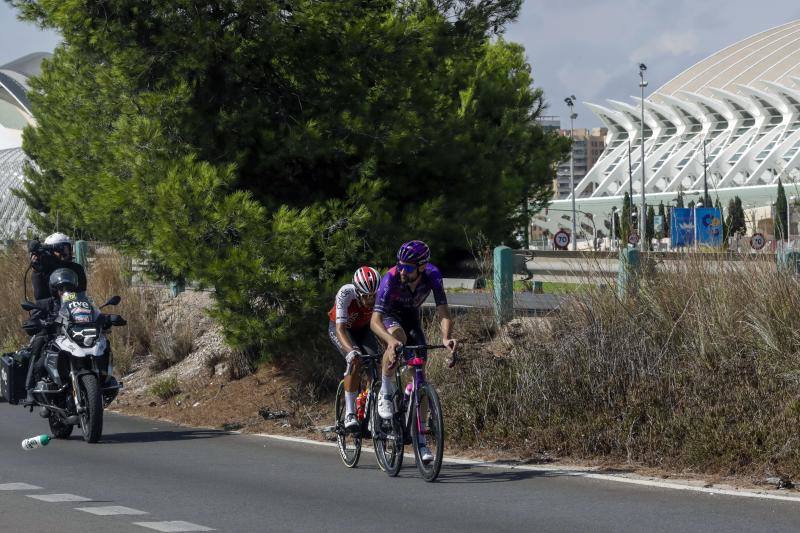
{"x":682,"y":227}
{"x":709,"y":226}
{"x":658,"y":224}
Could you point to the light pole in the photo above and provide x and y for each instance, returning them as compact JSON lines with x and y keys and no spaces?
{"x":643,"y":215}
{"x":613,"y":227}
{"x":570,"y":101}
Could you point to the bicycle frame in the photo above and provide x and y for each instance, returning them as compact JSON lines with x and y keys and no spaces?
{"x":411,"y":359}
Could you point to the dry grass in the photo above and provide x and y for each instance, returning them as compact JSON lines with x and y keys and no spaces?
{"x":13,"y":262}
{"x":139,"y":307}
{"x":700,"y":369}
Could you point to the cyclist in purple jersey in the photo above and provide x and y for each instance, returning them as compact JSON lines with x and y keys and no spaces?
{"x":396,"y":317}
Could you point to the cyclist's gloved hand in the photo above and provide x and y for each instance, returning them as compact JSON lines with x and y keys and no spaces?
{"x":452,"y":345}
{"x":352,"y":355}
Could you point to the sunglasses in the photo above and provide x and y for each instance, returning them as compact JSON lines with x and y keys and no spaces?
{"x":406,"y":269}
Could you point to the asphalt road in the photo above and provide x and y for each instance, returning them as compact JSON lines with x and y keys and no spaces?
{"x":183,"y":479}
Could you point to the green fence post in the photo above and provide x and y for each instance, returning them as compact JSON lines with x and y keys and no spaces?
{"x":82,"y":253}
{"x":177,"y":287}
{"x":628,"y":269}
{"x":503,"y":284}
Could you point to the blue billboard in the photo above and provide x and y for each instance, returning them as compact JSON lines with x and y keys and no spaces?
{"x":682,"y":227}
{"x":709,"y":227}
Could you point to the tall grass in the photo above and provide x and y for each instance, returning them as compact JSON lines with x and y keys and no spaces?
{"x":13,"y":262}
{"x":107,"y":276}
{"x":698,"y":369}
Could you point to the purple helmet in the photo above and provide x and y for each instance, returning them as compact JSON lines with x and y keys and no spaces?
{"x":414,"y":252}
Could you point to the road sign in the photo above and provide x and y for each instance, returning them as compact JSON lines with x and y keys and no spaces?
{"x":561,"y":239}
{"x":757,"y":241}
{"x":633,"y":238}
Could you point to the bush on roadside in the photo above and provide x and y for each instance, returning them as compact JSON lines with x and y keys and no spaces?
{"x":165,"y":388}
{"x":700,"y":369}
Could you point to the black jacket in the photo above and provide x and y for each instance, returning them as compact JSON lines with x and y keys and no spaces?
{"x":45,"y":266}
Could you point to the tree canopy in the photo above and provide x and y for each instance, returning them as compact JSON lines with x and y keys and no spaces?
{"x":265,"y":148}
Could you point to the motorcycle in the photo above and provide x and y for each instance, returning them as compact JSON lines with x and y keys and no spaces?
{"x":75,"y":382}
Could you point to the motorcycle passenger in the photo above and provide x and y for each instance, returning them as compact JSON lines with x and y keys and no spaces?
{"x":349,"y":331}
{"x":56,"y":253}
{"x":61,"y":281}
{"x":396,"y":318}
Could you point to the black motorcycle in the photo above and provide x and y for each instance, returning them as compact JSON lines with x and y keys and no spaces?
{"x":75,"y":381}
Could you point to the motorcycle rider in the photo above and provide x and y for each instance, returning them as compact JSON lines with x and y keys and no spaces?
{"x":350,"y":333}
{"x":46,"y":260}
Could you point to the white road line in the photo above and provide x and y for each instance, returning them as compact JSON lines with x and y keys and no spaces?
{"x":110,"y":510}
{"x":173,"y":526}
{"x":55,"y":498}
{"x":18,"y":486}
{"x":577,"y":472}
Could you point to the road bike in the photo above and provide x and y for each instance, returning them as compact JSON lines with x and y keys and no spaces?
{"x":349,"y":441}
{"x":418,"y":411}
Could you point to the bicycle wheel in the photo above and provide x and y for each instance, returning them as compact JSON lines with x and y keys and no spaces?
{"x":387,"y":437}
{"x":434,"y":434}
{"x":349,"y":443}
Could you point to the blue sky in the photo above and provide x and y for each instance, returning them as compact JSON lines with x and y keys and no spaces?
{"x":590,"y":48}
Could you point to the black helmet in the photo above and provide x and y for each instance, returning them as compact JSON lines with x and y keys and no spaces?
{"x":63,"y":279}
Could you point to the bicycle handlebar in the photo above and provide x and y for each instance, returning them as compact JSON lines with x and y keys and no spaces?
{"x":362,"y":356}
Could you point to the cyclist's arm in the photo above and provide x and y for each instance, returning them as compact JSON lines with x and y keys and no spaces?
{"x":344,"y":337}
{"x":377,"y":327}
{"x":446,"y":322}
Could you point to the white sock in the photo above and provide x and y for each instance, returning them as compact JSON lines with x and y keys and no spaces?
{"x":350,"y":402}
{"x":387,"y":385}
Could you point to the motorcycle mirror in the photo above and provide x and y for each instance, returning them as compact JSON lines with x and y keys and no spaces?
{"x":29,"y":306}
{"x":114,"y":300}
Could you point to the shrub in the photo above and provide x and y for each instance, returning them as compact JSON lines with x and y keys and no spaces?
{"x":166,"y":387}
{"x":699,"y":369}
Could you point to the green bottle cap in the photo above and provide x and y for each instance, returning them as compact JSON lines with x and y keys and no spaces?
{"x":44,"y":439}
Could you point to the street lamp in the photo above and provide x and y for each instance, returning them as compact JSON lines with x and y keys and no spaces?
{"x":570,"y":101}
{"x":643,"y":215}
{"x":613,"y":226}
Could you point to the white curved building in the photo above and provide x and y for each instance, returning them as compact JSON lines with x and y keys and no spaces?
{"x":743,"y":102}
{"x":15,"y":115}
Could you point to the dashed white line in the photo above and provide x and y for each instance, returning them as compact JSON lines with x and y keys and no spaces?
{"x":18,"y":486}
{"x":110,"y":510}
{"x":174,"y":526}
{"x":54,"y":498}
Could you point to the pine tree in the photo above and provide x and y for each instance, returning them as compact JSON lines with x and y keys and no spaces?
{"x":266,"y":148}
{"x":662,"y":213}
{"x":650,"y":226}
{"x":679,"y":199}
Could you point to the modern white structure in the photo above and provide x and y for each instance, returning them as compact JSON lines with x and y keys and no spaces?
{"x":15,"y":115}
{"x":743,"y":102}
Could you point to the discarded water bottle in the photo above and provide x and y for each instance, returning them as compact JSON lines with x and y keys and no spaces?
{"x":35,"y":442}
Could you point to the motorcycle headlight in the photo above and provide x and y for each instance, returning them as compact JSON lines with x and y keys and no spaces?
{"x":85,"y":336}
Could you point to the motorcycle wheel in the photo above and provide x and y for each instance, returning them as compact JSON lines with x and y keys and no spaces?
{"x":92,"y":416}
{"x":59,"y":429}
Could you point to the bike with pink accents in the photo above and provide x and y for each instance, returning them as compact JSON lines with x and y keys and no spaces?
{"x":418,"y":413}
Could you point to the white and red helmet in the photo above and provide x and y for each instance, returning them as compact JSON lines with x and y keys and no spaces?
{"x":366,"y":280}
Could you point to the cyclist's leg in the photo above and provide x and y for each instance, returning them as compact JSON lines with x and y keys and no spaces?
{"x":351,"y":382}
{"x":385,"y":407}
{"x":368,"y":344}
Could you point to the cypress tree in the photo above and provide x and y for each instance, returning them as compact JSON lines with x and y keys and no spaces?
{"x":780,"y":212}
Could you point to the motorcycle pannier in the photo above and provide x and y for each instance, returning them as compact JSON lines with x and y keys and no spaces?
{"x":12,"y":379}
